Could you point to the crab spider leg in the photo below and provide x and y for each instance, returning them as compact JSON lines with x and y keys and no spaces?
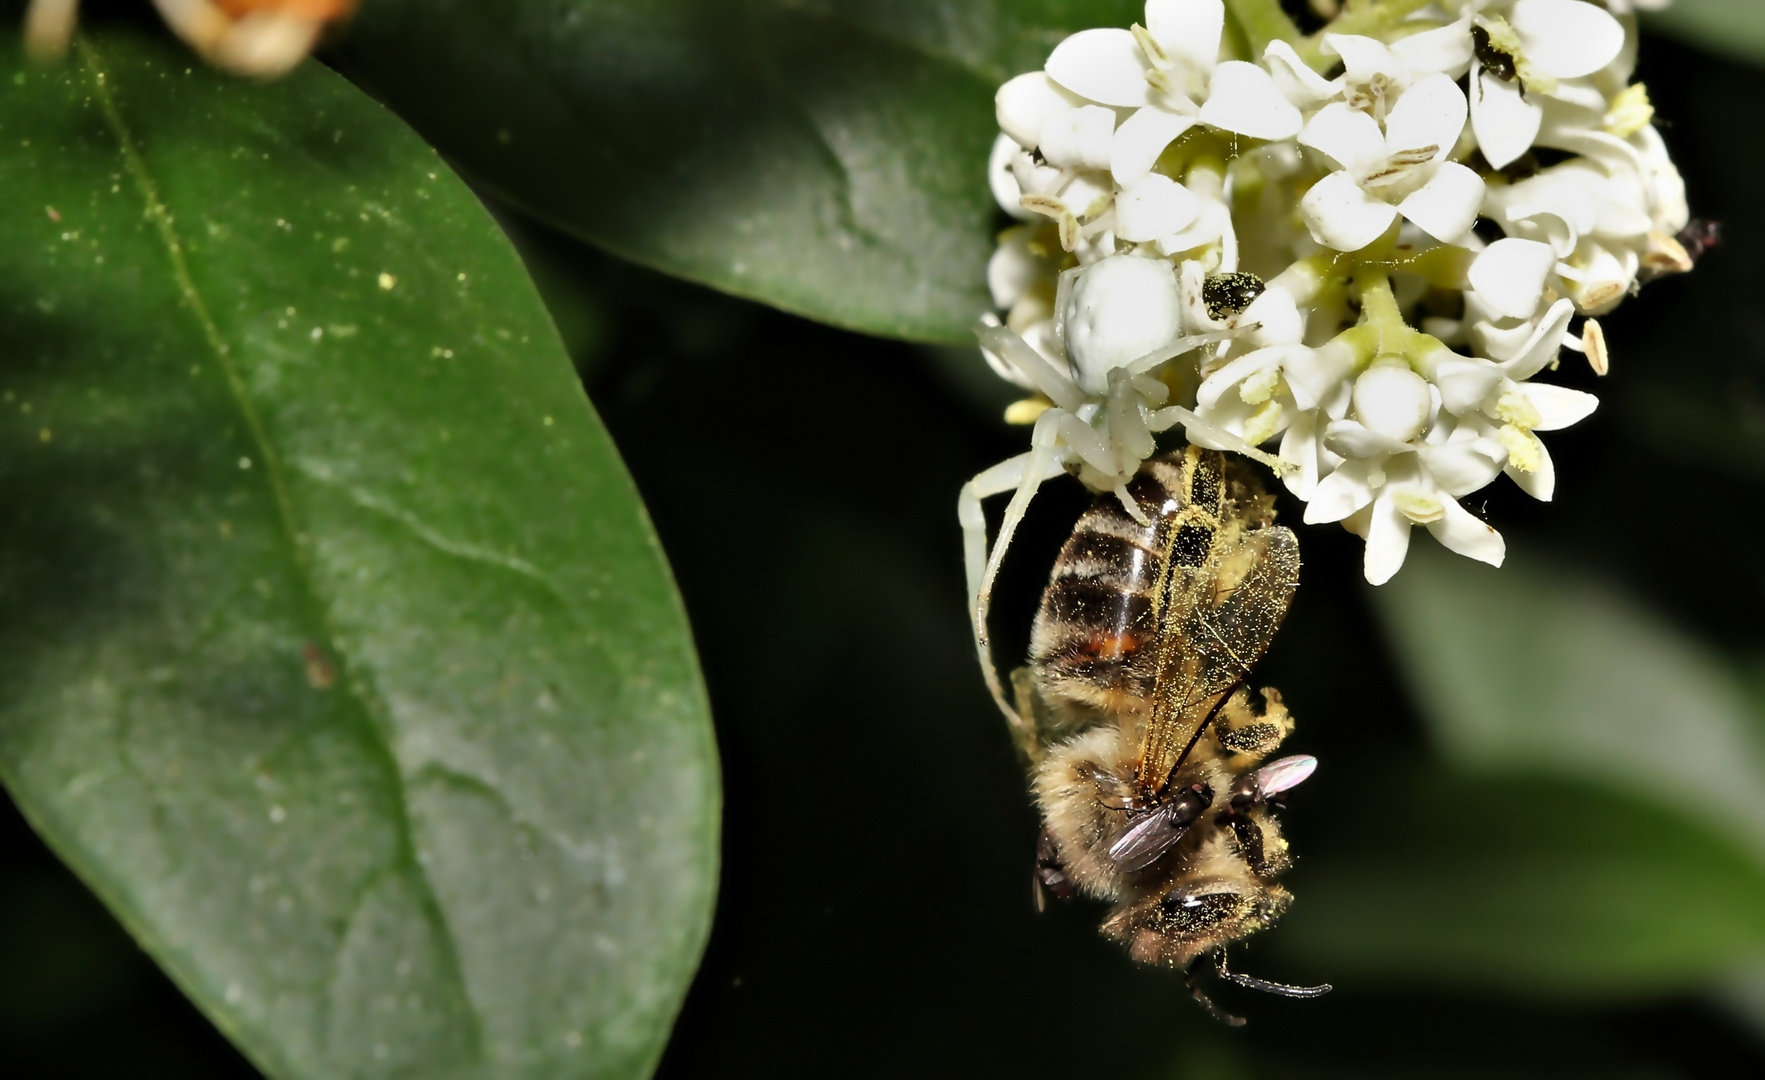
{"x":1002,"y":342}
{"x":1022,"y":475}
{"x":1203,"y":433}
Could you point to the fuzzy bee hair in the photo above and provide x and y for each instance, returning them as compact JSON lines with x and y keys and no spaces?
{"x":1143,"y":738}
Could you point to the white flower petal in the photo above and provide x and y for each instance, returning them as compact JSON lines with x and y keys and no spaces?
{"x":1078,"y":138}
{"x":1388,"y":542}
{"x":1211,"y":225}
{"x":1430,"y":113}
{"x":1348,"y":137}
{"x":1446,"y":49}
{"x":1104,"y":65}
{"x":1509,"y":276}
{"x":1295,"y":78}
{"x":1362,"y":57}
{"x":1023,"y":103}
{"x":1342,"y":216}
{"x":1277,"y":317}
{"x":1141,"y":138}
{"x":1558,"y":406}
{"x":1244,"y":99}
{"x":1463,"y":532}
{"x":1313,"y":374}
{"x":1463,"y":466}
{"x":1567,"y":38}
{"x":1299,"y":447}
{"x":1187,"y":30}
{"x":1155,"y":206}
{"x":1013,"y":269}
{"x":1006,"y":191}
{"x":1236,"y":371}
{"x":1446,"y":205}
{"x":1541,"y":482}
{"x":1340,"y":494}
{"x":1352,"y":439}
{"x":1541,"y":347}
{"x":1465,"y":382}
{"x":1504,"y":121}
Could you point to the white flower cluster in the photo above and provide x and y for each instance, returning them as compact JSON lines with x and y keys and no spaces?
{"x":1258,"y":253}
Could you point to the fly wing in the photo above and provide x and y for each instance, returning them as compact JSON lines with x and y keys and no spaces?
{"x":1218,"y":623}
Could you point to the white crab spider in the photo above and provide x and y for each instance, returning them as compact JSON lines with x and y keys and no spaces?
{"x":1106,"y":407}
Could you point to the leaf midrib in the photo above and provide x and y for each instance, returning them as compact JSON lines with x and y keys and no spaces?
{"x":358,"y":687}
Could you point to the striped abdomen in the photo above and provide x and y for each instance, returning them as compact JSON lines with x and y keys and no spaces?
{"x":1093,"y":639}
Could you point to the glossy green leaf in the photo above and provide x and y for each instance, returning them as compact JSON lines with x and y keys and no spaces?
{"x":337,"y":654}
{"x":1731,"y":27}
{"x":827,"y":157}
{"x":1599,"y":824}
{"x":1534,"y":667}
{"x":1532,"y":883}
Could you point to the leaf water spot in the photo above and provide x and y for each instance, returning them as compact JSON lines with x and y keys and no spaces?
{"x":263,"y":588}
{"x":347,"y":330}
{"x":317,"y":334}
{"x":381,"y":1052}
{"x":548,"y":421}
{"x":278,"y":815}
{"x":387,"y":281}
{"x":244,"y":463}
{"x":235,"y":993}
{"x":340,"y":245}
{"x":44,"y":435}
{"x":54,"y":214}
{"x":290,"y":312}
{"x":606,"y":945}
{"x":195,"y":369}
{"x":226,"y":529}
{"x":257,"y":884}
{"x":403,"y":967}
{"x":573,"y":1039}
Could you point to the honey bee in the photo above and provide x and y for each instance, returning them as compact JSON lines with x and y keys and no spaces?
{"x":1144,"y":741}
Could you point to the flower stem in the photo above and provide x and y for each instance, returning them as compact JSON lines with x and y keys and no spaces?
{"x":1262,"y":21}
{"x":1366,"y":17}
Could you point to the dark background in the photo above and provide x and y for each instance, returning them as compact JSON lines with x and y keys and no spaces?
{"x":875,"y":917}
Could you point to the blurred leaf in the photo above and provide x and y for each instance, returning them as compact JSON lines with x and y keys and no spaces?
{"x":1536,"y":668}
{"x":339,"y":657}
{"x":827,"y":157}
{"x":1535,"y":883}
{"x":1732,"y":27}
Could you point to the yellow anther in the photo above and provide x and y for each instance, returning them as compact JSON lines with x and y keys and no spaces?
{"x":1260,"y":387}
{"x":1263,"y":424}
{"x":1524,"y":451}
{"x":1517,"y":409}
{"x":1631,"y":111}
{"x":1027,"y":410}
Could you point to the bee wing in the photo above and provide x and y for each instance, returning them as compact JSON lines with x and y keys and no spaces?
{"x":1222,"y":634}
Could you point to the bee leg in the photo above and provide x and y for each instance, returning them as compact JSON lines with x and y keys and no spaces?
{"x":1050,"y":876}
{"x":1251,"y":982}
{"x":1249,"y":840}
{"x":1206,"y":1002}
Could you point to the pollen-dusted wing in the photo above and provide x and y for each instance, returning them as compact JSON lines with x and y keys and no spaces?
{"x":1151,"y":622}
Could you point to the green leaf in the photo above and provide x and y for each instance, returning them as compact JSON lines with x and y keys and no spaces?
{"x":338,"y":655}
{"x":827,"y":157}
{"x":1732,"y":27}
{"x":1599,"y":827}
{"x":1534,"y":667}
{"x":1532,"y":883}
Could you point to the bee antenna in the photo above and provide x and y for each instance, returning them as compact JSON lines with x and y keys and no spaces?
{"x":1206,"y":1002}
{"x":1251,"y":982}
